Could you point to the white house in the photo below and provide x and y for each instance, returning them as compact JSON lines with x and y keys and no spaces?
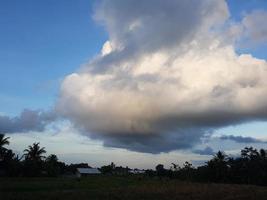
{"x":137,"y":171}
{"x":81,"y":172}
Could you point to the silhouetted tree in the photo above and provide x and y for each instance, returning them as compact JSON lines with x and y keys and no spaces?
{"x":249,"y":153}
{"x":217,"y":167}
{"x":160,"y":170}
{"x":9,"y":162}
{"x":51,"y":165}
{"x":186,"y":172}
{"x":34,"y":152}
{"x":252,"y":164}
{"x":33,"y":163}
{"x":175,"y":167}
{"x":3,"y":140}
{"x":108,"y":169}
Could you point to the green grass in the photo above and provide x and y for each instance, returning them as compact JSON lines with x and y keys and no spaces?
{"x":105,"y":187}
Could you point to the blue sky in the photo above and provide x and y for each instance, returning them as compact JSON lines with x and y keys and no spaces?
{"x":41,"y":42}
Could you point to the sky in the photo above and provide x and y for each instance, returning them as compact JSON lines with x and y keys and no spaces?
{"x":136,"y":84}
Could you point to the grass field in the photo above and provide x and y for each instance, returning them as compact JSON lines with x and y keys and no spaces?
{"x":122,"y":188}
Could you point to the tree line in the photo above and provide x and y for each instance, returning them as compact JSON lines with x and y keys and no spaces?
{"x":248,"y":168}
{"x":32,"y":163}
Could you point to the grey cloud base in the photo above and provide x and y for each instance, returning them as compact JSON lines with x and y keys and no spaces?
{"x":241,"y":139}
{"x":153,"y":143}
{"x":206,"y":151}
{"x":29,"y":120}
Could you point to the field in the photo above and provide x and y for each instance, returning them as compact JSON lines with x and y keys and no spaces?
{"x":104,"y":187}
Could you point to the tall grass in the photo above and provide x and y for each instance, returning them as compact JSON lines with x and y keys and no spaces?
{"x":124,"y":188}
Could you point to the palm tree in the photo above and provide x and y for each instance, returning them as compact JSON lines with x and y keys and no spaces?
{"x":3,"y":140}
{"x":34,"y":152}
{"x":220,"y":157}
{"x":218,"y":167}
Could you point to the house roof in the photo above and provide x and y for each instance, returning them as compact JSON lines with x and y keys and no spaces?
{"x":137,"y":171}
{"x":88,"y":171}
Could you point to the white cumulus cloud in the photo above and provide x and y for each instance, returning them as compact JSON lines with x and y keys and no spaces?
{"x":165,"y":78}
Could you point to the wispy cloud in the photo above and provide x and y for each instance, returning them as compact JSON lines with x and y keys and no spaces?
{"x":241,"y":139}
{"x":205,"y":151}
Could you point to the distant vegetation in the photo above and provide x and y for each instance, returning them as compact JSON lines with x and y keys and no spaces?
{"x":249,"y":168}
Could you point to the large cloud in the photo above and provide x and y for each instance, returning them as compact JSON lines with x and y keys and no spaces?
{"x":166,"y":77}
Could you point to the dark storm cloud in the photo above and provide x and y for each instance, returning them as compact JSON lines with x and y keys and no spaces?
{"x":206,"y":151}
{"x":241,"y":139}
{"x":154,"y":143}
{"x":29,"y":120}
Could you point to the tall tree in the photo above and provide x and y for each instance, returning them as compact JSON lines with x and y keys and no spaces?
{"x":9,"y":161}
{"x":34,"y":164}
{"x":160,"y":170}
{"x":34,"y":152}
{"x":52,"y":166}
{"x":249,"y":153}
{"x":217,"y":167}
{"x":3,"y":140}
